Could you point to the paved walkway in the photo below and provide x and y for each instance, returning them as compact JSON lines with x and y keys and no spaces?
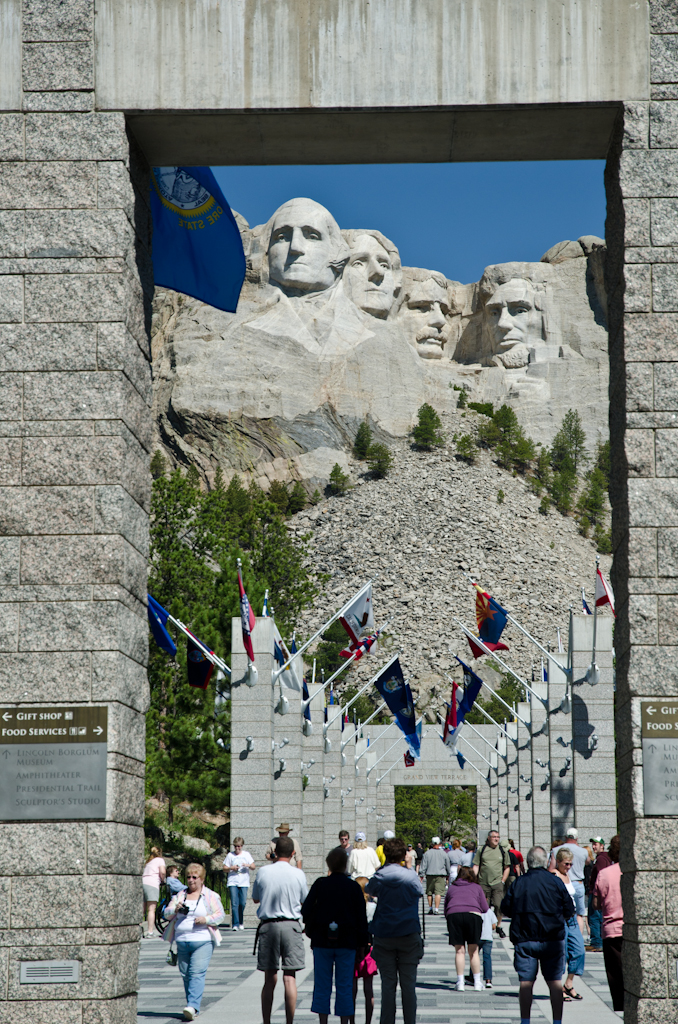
{"x":233,"y":987}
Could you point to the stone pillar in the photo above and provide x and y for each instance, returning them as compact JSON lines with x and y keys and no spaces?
{"x":560,"y":753}
{"x":74,"y":450}
{"x":642,"y":288}
{"x":525,"y":791}
{"x":252,"y":808}
{"x":541,"y":776}
{"x":313,"y":804}
{"x":512,"y":782}
{"x":595,"y":789}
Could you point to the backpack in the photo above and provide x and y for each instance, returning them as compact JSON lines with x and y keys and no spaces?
{"x":504,"y":854}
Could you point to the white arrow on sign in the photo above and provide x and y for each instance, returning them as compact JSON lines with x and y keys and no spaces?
{"x":98,"y":730}
{"x":651,"y":711}
{"x":6,"y":716}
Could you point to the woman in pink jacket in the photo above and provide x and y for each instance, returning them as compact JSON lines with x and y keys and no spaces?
{"x":194,"y":915}
{"x":465,"y":905}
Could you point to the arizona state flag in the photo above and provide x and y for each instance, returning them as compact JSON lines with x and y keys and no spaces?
{"x":200,"y":668}
{"x":491,"y":618}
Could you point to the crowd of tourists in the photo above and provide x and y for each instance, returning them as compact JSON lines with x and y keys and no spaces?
{"x":363,"y":917}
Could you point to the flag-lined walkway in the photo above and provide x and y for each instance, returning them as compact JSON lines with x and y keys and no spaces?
{"x":234,"y":984}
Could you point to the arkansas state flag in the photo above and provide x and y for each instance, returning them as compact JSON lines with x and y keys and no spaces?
{"x":491,"y":619}
{"x":359,"y":616}
{"x":604,"y":593}
{"x":246,"y":618}
{"x":200,"y":668}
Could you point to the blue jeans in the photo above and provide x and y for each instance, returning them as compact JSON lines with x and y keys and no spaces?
{"x":576,"y":953}
{"x":595,"y":925}
{"x":486,"y":947}
{"x":528,"y":957}
{"x":343,"y":962}
{"x":579,"y":898}
{"x":194,"y":959}
{"x":238,"y":895}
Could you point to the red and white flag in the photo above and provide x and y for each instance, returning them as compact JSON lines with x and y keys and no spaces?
{"x":604,"y":593}
{"x":247,"y":618}
{"x":359,"y":616}
{"x":367,"y":645}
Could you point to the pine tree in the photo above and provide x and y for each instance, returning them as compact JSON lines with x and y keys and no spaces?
{"x":338,"y":480}
{"x":363,"y":441}
{"x":564,"y":485}
{"x":428,"y":431}
{"x":379,"y":459}
{"x":158,"y":465}
{"x":569,"y":442}
{"x":279,"y":495}
{"x":466,"y":448}
{"x":298,"y":498}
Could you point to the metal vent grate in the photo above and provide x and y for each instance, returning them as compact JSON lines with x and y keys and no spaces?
{"x":49,"y":972}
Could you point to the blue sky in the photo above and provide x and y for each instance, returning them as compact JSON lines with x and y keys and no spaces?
{"x":455,"y":218}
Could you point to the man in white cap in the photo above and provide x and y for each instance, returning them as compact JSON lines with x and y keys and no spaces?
{"x":436,"y":867}
{"x":580,"y":859}
{"x":363,"y":861}
{"x":380,"y":849}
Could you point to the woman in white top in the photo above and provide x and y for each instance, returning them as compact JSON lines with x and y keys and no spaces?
{"x":576,"y":951}
{"x":237,"y":866}
{"x":363,"y":859}
{"x":155,"y":872}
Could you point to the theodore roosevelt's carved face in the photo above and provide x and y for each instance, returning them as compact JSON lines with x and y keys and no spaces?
{"x":369,"y":277}
{"x":425,"y":316}
{"x":306,"y":251}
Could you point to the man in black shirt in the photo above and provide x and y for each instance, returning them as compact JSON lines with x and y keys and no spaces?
{"x":539,"y":905}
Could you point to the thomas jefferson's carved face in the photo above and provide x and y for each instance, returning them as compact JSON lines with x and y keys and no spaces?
{"x":424,"y":315}
{"x":301,"y":249}
{"x":369,"y":277}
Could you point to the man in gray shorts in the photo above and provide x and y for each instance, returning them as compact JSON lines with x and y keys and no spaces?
{"x":280,"y":889}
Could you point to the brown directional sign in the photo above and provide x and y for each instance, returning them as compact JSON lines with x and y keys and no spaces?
{"x":659,"y":718}
{"x":53,"y":763}
{"x":62,"y":725}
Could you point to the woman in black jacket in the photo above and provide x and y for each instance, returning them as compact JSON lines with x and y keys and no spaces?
{"x":336,"y":923}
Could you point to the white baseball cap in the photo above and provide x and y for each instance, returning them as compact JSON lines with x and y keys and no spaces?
{"x":360,"y":837}
{"x":435,"y":840}
{"x":573,"y":832}
{"x":389,"y":835}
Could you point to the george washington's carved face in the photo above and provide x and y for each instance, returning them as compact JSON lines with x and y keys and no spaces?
{"x":306,"y":247}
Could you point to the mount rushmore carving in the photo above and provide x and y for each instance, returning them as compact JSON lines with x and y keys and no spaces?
{"x":331,"y":329}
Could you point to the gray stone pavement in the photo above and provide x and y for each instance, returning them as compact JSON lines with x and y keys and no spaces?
{"x":233,"y":987}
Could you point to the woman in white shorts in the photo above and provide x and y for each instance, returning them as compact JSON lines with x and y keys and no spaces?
{"x":155,"y":872}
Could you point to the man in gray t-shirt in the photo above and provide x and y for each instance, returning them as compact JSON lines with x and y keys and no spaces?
{"x":580,"y":859}
{"x":279,"y":890}
{"x":436,"y":867}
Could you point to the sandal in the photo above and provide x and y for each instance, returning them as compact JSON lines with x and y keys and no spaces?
{"x":571,"y":994}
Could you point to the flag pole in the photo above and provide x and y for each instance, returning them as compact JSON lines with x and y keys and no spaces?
{"x":488,"y":687}
{"x":493,"y":654}
{"x":210,"y":655}
{"x":342,"y":711}
{"x":344,"y":665}
{"x":593,"y":672}
{"x":397,"y":761}
{"x":366,"y":750}
{"x":518,"y":626}
{"x":326,"y":625}
{"x":477,"y":752}
{"x":391,"y":747}
{"x":489,"y":716}
{"x":363,"y":724}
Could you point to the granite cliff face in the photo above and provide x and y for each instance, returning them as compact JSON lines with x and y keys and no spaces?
{"x":331,"y":330}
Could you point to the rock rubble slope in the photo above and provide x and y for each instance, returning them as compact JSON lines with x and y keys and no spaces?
{"x":418,"y":528}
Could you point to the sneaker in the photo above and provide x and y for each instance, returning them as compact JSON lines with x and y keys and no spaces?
{"x":190,"y":1013}
{"x":478,"y":985}
{"x":241,"y":927}
{"x":460,"y":986}
{"x":501,"y":933}
{"x":488,"y":983}
{"x":234,"y":928}
{"x":431,"y":910}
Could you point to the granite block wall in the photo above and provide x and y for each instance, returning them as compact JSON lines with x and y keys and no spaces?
{"x":75,"y":425}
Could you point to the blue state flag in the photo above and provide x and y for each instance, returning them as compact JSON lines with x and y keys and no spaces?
{"x":398,"y":696}
{"x":198,"y":665}
{"x":157,"y":620}
{"x":197,"y":248}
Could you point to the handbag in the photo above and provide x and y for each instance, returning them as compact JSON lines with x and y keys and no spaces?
{"x":172,"y":957}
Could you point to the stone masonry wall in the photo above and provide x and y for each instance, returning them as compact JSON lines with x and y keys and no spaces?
{"x":642,"y":236}
{"x":74,"y":447}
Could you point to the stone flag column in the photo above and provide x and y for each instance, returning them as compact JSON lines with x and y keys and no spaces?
{"x":642,"y":288}
{"x":75,"y":433}
{"x":525,"y":791}
{"x":540,"y":772}
{"x":252,"y":766}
